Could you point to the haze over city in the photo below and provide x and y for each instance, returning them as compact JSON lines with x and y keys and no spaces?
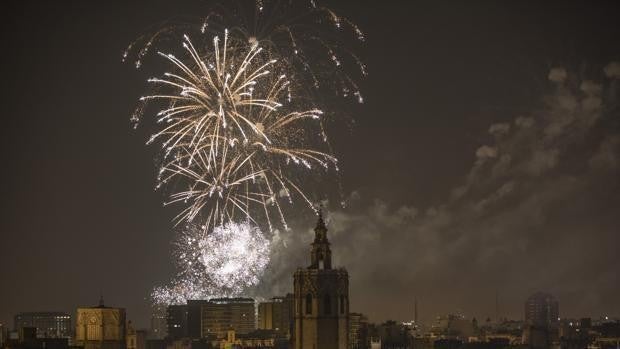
{"x":481,"y":165}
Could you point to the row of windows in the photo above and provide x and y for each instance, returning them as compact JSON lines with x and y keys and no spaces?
{"x":327,"y":304}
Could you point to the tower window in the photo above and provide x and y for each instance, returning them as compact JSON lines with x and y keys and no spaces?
{"x":342,"y":305}
{"x":327,"y":303}
{"x":308,"y":303}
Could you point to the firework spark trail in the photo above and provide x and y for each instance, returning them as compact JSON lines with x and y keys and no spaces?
{"x":310,"y":39}
{"x":229,"y":131}
{"x":222,"y":263}
{"x":240,"y":124}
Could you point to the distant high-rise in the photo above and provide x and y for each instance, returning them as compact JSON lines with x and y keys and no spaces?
{"x":277,"y":315}
{"x":176,"y":321}
{"x":3,"y":335}
{"x":220,"y":315}
{"x":100,"y":327}
{"x":321,"y":299}
{"x":158,"y":326}
{"x":48,"y":324}
{"x":541,"y":320}
{"x":542,"y":310}
{"x":358,"y":331}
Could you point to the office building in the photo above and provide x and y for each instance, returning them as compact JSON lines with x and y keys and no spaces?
{"x":158,"y":328}
{"x":176,"y":321}
{"x":358,"y":331}
{"x":220,"y":315}
{"x":47,"y":324}
{"x":541,"y":320}
{"x":277,"y":315}
{"x":194,"y":318}
{"x":542,"y":309}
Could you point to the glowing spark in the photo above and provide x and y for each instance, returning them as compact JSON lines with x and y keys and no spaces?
{"x":223,"y":263}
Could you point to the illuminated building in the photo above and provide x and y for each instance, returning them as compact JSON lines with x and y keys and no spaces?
{"x":321,"y":308}
{"x":358,"y":331}
{"x":220,"y":315}
{"x":100,"y":327}
{"x":47,"y":324}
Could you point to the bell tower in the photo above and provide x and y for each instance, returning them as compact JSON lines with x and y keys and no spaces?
{"x":321,"y":302}
{"x":321,"y":254}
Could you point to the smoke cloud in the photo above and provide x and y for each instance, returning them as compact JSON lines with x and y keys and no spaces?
{"x":535,"y":187}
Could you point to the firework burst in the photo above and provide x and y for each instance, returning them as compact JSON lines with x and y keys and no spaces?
{"x":312,"y":41}
{"x":238,"y":118}
{"x":221,"y":263}
{"x":231,"y":136}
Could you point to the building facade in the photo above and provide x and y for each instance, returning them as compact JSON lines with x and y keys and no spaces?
{"x":100,"y":327}
{"x":542,"y":313}
{"x":194,"y":318}
{"x":48,"y":324}
{"x":158,"y":325}
{"x":176,"y":321}
{"x":277,"y":315}
{"x":358,"y":331}
{"x":221,"y":315}
{"x":321,"y":299}
{"x":3,"y":335}
{"x":542,"y":309}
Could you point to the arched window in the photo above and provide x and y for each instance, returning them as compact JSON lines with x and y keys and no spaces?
{"x":342,"y":305}
{"x":308,"y":303}
{"x":327,"y":304}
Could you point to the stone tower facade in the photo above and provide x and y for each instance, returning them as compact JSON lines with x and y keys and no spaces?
{"x":100,"y":327}
{"x":321,"y":300}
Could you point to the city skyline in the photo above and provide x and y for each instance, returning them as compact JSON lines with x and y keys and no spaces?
{"x":482,"y":167}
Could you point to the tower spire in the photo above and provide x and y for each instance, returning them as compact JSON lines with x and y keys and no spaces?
{"x":320,"y":223}
{"x":321,"y":255}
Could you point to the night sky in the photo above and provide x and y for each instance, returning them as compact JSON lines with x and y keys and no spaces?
{"x":486,"y":159}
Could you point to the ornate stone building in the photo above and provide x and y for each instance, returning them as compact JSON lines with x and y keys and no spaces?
{"x":100,"y":327}
{"x":321,"y":301}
